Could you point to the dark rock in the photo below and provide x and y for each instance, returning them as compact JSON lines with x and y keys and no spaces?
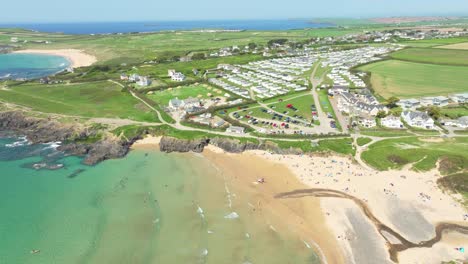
{"x":169,"y":144}
{"x":72,"y":137}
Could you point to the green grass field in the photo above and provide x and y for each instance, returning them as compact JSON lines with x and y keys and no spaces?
{"x":342,"y":145}
{"x":197,"y":91}
{"x":461,"y":46}
{"x":97,"y":99}
{"x":408,"y":79}
{"x":423,"y":152}
{"x":433,"y":55}
{"x":426,"y":43}
{"x":132,"y":48}
{"x":302,"y":103}
{"x":363,"y":141}
{"x":454,"y":112}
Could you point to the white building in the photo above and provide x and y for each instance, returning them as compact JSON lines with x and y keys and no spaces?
{"x":418,"y":119}
{"x":235,"y":129}
{"x":367,"y":121}
{"x":391,"y":122}
{"x":178,"y":77}
{"x":462,"y":122}
{"x":409,"y":103}
{"x":144,"y":81}
{"x":459,"y":98}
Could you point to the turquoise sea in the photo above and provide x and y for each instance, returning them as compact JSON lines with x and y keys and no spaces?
{"x":30,"y":66}
{"x":149,"y":207}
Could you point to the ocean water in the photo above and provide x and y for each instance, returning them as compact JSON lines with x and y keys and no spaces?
{"x":148,"y":26}
{"x":30,"y":66}
{"x":149,"y":207}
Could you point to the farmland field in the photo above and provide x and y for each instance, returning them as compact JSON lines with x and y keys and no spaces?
{"x":97,"y":99}
{"x":462,"y":46}
{"x":433,"y":55}
{"x":425,"y":43}
{"x":408,"y":79}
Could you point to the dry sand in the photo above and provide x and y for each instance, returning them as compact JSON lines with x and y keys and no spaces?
{"x":77,"y":58}
{"x":408,"y":202}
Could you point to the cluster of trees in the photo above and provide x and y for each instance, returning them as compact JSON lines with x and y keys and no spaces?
{"x":274,"y":42}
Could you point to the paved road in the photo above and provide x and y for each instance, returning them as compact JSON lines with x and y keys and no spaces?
{"x":339,"y":116}
{"x":322,"y":117}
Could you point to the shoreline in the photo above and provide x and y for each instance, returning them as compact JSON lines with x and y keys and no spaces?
{"x":77,"y":58}
{"x":389,"y":195}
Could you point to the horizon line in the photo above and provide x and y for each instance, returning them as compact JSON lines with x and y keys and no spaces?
{"x":229,"y":19}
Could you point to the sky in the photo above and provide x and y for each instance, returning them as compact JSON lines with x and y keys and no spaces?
{"x":162,"y":10}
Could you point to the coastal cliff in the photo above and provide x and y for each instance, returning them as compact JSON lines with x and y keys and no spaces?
{"x":76,"y":139}
{"x":170,"y":144}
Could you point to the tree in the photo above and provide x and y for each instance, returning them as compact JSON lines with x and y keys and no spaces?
{"x":381,"y":114}
{"x":198,"y":56}
{"x":392,"y":102}
{"x":274,"y":42}
{"x":434,"y":112}
{"x":396,"y":111}
{"x":252,"y":46}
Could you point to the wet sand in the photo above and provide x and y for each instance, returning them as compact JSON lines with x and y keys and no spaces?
{"x":303,"y":217}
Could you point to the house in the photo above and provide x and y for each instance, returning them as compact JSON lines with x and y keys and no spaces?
{"x":367,"y":121}
{"x":235,"y":129}
{"x":176,"y":104}
{"x":219,"y":123}
{"x":409,"y":103}
{"x":134,"y":77}
{"x":462,"y":122}
{"x":178,"y":77}
{"x":171,"y":72}
{"x":44,"y":80}
{"x":459,"y":98}
{"x":441,"y":101}
{"x":191,"y":102}
{"x":124,"y":77}
{"x":144,"y":81}
{"x":338,"y":90}
{"x":418,"y":119}
{"x":391,"y":122}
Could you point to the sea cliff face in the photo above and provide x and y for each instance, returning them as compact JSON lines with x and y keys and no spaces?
{"x":74,"y":137}
{"x":169,"y":144}
{"x":89,"y":142}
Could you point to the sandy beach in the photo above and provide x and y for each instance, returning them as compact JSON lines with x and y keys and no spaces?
{"x":324,"y":199}
{"x":77,"y":58}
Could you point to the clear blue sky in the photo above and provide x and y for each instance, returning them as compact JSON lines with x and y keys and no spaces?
{"x":154,"y":10}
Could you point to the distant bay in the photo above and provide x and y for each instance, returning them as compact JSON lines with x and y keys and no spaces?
{"x":30,"y":66}
{"x":127,"y":27}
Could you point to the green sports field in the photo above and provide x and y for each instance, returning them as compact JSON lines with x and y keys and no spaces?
{"x":433,"y":55}
{"x":97,"y":99}
{"x":408,"y":79}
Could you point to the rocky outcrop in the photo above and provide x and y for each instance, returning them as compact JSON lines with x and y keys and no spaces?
{"x":74,"y":137}
{"x":236,"y":146}
{"x":170,"y":144}
{"x":38,"y":130}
